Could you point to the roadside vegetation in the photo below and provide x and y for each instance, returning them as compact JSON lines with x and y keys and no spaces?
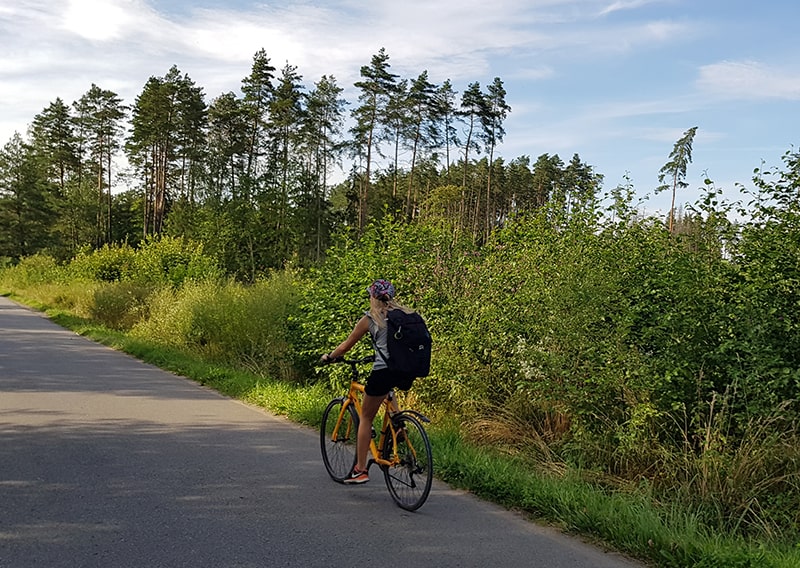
{"x":628,"y":378}
{"x":593,"y":369}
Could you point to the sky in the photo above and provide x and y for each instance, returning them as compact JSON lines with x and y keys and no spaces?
{"x":616,"y":81}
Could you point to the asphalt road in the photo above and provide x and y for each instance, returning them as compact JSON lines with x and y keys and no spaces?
{"x":109,"y":462}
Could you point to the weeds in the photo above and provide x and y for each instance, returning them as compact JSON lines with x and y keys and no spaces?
{"x":121,"y":305}
{"x":592,"y":451}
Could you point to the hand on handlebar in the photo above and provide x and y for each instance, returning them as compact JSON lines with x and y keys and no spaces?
{"x":327,"y":359}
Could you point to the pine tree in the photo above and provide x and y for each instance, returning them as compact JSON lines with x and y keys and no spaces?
{"x":423,"y":132}
{"x":100,"y":114}
{"x":322,"y":146}
{"x":227,"y":147}
{"x":27,"y":208}
{"x":473,"y":107}
{"x":492,"y":116}
{"x":675,"y":169}
{"x":446,"y":114}
{"x":287,"y":114}
{"x":259,"y":91}
{"x":167,"y":143}
{"x":53,"y":139}
{"x":377,"y":87}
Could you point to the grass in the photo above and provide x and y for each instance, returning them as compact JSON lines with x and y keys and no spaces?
{"x":665,"y":535}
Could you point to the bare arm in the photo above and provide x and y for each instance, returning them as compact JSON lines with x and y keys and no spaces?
{"x":361,"y":329}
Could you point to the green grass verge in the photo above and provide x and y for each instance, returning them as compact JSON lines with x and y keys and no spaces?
{"x":666,"y":536}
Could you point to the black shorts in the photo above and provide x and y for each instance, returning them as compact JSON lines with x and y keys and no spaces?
{"x":381,"y":381}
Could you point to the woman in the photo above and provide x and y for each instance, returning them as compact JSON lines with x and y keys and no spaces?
{"x":382,"y":379}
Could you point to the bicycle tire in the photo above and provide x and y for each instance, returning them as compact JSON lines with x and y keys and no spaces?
{"x":409,"y":482}
{"x":338,"y":439}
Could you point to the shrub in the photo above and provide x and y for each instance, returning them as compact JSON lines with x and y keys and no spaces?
{"x":228,"y":321}
{"x":120,"y":305}
{"x":30,"y":271}
{"x":172,"y":261}
{"x":164,"y":260}
{"x":111,"y":263}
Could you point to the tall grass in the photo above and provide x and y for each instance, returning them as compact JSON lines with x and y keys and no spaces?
{"x":681,"y":490}
{"x":227,"y":321}
{"x":746,"y":484}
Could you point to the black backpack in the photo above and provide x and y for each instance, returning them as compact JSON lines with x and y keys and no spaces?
{"x":409,"y":343}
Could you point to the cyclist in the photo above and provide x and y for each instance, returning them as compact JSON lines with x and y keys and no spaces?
{"x":382,"y":379}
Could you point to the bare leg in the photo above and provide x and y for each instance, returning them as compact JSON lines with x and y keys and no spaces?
{"x":369,"y":408}
{"x":393,"y":406}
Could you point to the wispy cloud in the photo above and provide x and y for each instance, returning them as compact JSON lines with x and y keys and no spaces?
{"x":623,"y":5}
{"x":610,"y":79}
{"x":749,"y":80}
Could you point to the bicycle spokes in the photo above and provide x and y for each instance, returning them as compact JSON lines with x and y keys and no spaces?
{"x":410,"y":475}
{"x":338,"y":439}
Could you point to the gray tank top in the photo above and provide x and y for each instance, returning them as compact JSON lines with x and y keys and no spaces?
{"x":379,"y":339}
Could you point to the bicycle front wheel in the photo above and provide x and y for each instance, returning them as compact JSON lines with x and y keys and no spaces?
{"x":410,"y":478}
{"x":338,"y":433}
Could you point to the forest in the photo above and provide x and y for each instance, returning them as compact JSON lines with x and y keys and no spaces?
{"x":571,"y":330}
{"x":250,"y":174}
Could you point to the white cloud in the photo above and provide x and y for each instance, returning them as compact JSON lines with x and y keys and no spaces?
{"x":58,"y":49}
{"x":98,"y":20}
{"x":749,"y":80}
{"x":622,"y":5}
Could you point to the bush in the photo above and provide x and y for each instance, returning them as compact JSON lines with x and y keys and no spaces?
{"x":164,"y":260}
{"x":111,"y":263}
{"x":31,"y":271}
{"x":228,"y":321}
{"x":172,"y":261}
{"x":120,"y":305}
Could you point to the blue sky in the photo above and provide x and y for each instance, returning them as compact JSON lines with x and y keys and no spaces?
{"x":616,"y":81}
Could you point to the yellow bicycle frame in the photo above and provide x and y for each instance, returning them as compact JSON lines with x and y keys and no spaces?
{"x":389,"y":408}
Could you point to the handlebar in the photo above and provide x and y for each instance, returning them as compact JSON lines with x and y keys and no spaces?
{"x":362,"y":360}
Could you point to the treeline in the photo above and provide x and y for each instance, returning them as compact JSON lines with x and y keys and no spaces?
{"x":568,"y":328}
{"x":251,"y":174}
{"x":588,"y":340}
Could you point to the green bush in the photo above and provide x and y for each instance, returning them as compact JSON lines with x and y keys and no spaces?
{"x":168,"y":260}
{"x":111,"y":263}
{"x":31,"y":271}
{"x":228,"y":321}
{"x":163,"y":260}
{"x":418,"y":260}
{"x":120,"y":305}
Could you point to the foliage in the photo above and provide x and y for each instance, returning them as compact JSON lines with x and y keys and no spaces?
{"x":162,"y":260}
{"x":30,"y":271}
{"x":415,"y":257}
{"x":226,"y":321}
{"x":173,"y":261}
{"x":635,"y":354}
{"x":106,"y":264}
{"x":120,"y":305}
{"x":28,"y":204}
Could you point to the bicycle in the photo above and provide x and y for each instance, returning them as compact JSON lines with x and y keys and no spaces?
{"x":402,"y":450}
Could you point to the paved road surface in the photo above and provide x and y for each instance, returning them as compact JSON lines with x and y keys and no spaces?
{"x":108,"y":462}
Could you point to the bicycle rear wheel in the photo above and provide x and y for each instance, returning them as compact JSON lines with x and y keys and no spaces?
{"x":410,"y":480}
{"x":338,"y":433}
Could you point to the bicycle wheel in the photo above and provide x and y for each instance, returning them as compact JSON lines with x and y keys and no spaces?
{"x":410,"y":480}
{"x":338,"y":433}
